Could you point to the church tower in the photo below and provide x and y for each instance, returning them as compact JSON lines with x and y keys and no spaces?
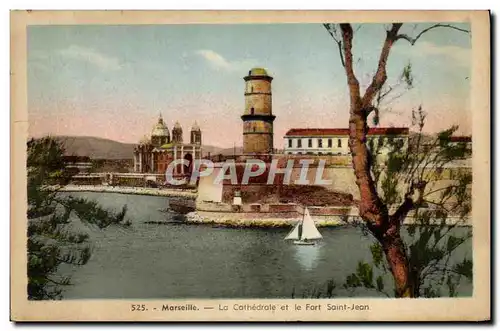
{"x":177,"y":133}
{"x":195,"y":134}
{"x":258,"y":118}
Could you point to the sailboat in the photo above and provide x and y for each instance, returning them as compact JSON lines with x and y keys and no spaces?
{"x":305,"y":231}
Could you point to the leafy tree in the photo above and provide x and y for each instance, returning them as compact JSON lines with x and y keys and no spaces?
{"x":382,"y":207}
{"x":50,"y":240}
{"x":430,"y":241}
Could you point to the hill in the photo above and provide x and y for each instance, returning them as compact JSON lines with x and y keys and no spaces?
{"x":231,"y":151}
{"x":101,"y":148}
{"x":97,"y":148}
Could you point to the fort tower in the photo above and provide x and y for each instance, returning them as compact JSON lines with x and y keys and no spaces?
{"x":258,"y":118}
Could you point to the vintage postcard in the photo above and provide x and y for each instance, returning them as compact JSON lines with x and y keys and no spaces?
{"x":250,"y":166}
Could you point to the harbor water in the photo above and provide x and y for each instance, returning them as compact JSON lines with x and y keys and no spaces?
{"x":160,"y":257}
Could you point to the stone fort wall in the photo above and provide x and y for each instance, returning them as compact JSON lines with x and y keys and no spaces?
{"x":257,"y":142}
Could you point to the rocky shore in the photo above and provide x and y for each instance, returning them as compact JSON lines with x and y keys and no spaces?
{"x":265,"y":220}
{"x":234,"y":220}
{"x":130,"y":190}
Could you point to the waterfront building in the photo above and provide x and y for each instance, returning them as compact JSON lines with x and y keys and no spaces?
{"x":77,"y":164}
{"x":334,"y":141}
{"x":154,"y":154}
{"x":461,"y":140}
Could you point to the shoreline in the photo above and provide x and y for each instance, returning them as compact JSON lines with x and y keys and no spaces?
{"x":269,"y":222}
{"x":228,"y":220}
{"x":130,"y":190}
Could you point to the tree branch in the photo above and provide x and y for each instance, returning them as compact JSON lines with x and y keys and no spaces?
{"x":381,"y":75}
{"x":413,"y":40}
{"x":410,"y":202}
{"x":339,"y":44}
{"x":329,"y":27}
{"x":63,"y":283}
{"x":347,"y":35}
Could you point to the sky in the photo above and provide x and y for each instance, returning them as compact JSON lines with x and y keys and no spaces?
{"x":114,"y":81}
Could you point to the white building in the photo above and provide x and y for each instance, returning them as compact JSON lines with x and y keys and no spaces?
{"x":333,"y":141}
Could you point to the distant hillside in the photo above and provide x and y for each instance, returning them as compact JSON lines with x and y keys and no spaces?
{"x":231,"y":151}
{"x":97,"y":148}
{"x":101,"y":148}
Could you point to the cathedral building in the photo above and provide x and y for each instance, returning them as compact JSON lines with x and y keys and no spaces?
{"x":154,"y":154}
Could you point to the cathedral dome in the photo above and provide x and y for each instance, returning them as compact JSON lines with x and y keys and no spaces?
{"x":160,"y":129}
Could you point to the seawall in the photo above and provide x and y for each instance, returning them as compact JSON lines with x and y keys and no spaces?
{"x":131,"y":190}
{"x":257,"y":220}
{"x":282,"y":220}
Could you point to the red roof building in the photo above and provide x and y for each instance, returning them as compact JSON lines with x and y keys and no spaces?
{"x":461,"y":139}
{"x":318,"y":132}
{"x":332,"y":141}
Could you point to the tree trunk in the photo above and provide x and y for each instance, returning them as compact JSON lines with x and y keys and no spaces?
{"x":385,"y":228}
{"x":371,"y":208}
{"x":395,"y":254}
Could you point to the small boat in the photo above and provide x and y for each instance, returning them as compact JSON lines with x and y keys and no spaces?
{"x":305,"y":231}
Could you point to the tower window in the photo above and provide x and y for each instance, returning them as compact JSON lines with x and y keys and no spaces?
{"x":309,"y":143}
{"x":299,"y":143}
{"x":320,"y":143}
{"x":289,"y":143}
{"x":330,"y":143}
{"x":339,"y":142}
{"x":251,"y":110}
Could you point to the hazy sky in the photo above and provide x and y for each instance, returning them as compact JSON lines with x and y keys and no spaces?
{"x":113,"y":81}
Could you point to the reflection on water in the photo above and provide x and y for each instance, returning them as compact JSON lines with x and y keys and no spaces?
{"x":308,"y":256}
{"x":200,"y":261}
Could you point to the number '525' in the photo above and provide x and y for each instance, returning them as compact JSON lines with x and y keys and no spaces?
{"x":138,"y":307}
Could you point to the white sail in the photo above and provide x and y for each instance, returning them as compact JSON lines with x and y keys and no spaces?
{"x":309,"y":230}
{"x":294,"y":234}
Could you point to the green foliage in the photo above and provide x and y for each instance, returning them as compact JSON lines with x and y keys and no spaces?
{"x":364,"y":277}
{"x":90,"y":212}
{"x":431,"y":240}
{"x":316,"y":292}
{"x":330,"y":288}
{"x":380,"y":284}
{"x":413,"y":179}
{"x":45,"y":166}
{"x":390,"y":92}
{"x":407,"y":76}
{"x":464,"y":268}
{"x":377,"y":254}
{"x":51,"y":242}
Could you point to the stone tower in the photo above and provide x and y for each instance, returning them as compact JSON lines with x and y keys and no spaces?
{"x":177,"y":133}
{"x":160,"y":134}
{"x":258,"y":118}
{"x":195,"y":134}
